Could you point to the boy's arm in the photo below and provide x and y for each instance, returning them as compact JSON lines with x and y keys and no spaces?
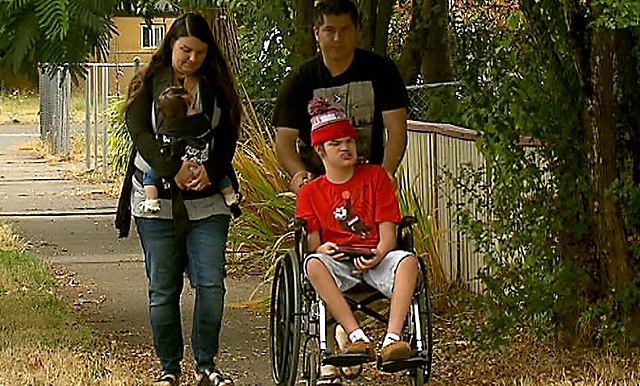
{"x":313,"y":241}
{"x":387,"y":231}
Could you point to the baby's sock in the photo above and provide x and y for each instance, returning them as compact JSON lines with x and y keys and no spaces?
{"x":357,"y":335}
{"x":390,"y":338}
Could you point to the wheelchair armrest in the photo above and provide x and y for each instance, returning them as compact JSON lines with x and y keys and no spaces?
{"x":404,"y":239}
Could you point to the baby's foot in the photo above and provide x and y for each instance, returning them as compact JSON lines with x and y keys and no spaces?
{"x":152,"y":205}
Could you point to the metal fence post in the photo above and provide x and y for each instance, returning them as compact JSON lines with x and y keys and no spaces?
{"x":105,"y":121}
{"x":87,"y":119}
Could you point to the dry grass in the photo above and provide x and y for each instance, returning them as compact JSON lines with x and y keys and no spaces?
{"x":9,"y":240}
{"x":23,"y":107}
{"x":527,"y":362}
{"x":45,"y":366}
{"x":19,"y":107}
{"x":41,"y":341}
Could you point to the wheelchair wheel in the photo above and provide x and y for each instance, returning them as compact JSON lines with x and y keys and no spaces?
{"x":285,"y":320}
{"x":420,"y":375}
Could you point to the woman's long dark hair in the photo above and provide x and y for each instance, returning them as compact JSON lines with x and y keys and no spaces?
{"x":214,"y":69}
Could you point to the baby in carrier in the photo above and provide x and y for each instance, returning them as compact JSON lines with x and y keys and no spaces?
{"x":188,"y":135}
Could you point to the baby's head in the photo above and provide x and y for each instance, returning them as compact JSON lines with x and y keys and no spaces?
{"x":174,"y":102}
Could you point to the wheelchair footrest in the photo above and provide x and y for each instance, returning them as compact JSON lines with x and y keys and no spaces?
{"x":405,"y":364}
{"x":346,"y":360}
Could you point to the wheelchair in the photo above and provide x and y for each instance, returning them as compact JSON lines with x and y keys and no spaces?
{"x":299,"y":323}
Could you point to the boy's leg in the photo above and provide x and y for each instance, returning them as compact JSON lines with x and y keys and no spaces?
{"x":328,"y":290}
{"x":395,"y":277}
{"x":403,"y":289}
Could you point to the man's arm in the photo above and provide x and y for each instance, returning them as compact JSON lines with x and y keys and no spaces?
{"x":286,"y":151}
{"x":396,"y":123}
{"x":290,"y":158}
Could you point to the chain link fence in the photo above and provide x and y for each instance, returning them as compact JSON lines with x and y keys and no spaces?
{"x":73,"y":116}
{"x":427,"y":102}
{"x":55,"y":101}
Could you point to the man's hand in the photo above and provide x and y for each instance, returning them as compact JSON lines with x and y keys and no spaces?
{"x":299,"y":179}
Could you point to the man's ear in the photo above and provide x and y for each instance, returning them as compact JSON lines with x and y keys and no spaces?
{"x":316,"y":32}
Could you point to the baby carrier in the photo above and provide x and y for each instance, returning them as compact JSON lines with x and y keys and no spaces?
{"x":187,"y":138}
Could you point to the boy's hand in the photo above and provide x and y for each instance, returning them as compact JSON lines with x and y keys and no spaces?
{"x":363,"y":264}
{"x":331,"y":249}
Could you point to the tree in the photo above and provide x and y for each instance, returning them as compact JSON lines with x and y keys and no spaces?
{"x":559,"y":228}
{"x":427,"y":50}
{"x":53,"y":31}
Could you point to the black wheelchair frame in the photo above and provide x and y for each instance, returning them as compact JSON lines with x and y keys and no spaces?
{"x":298,"y":316}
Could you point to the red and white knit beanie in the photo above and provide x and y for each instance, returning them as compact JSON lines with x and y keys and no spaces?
{"x":328,"y":122}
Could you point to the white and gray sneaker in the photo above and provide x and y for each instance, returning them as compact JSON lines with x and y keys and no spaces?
{"x":151,"y":205}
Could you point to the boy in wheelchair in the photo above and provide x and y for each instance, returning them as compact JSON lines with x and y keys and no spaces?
{"x":352,"y":214}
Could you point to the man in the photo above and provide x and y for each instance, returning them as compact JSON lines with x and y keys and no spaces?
{"x":354,"y":205}
{"x":366,"y":86}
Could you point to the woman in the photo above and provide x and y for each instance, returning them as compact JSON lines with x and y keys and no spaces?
{"x":189,"y":232}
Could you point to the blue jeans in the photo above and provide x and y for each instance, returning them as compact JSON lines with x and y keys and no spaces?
{"x":201,"y":254}
{"x":150,"y":177}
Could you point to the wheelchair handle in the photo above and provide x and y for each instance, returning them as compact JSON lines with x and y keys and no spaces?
{"x":408,"y":220}
{"x":297,"y":223}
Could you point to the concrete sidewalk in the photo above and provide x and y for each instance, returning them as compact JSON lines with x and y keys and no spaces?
{"x":70,"y":224}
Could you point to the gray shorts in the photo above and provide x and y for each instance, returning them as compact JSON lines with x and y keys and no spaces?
{"x":347,"y":276}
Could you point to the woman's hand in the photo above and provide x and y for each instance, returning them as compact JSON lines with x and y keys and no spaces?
{"x":200,"y":178}
{"x":185,"y":175}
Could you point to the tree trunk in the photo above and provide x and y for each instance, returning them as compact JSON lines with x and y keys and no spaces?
{"x":225,"y":32}
{"x":305,"y":46}
{"x":609,"y":234}
{"x":411,"y":58}
{"x":427,"y":49}
{"x":436,"y":56}
{"x":385,"y":8}
{"x":368,"y":14}
{"x":626,"y":66}
{"x":593,"y":50}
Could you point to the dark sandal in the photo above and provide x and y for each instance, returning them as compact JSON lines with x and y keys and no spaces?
{"x":167,"y":378}
{"x":213,"y":377}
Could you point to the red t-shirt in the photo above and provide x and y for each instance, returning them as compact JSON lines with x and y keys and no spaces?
{"x":348,"y":213}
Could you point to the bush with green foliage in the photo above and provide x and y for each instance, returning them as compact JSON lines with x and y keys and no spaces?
{"x":541,"y":273}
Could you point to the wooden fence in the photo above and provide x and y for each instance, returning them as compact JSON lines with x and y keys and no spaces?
{"x":433,"y":148}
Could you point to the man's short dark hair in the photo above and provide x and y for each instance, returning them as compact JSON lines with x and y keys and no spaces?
{"x":335,"y":7}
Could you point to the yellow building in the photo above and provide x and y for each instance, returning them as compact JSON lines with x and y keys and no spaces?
{"x":135,"y":39}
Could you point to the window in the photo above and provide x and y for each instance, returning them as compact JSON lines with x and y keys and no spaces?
{"x":151,"y":35}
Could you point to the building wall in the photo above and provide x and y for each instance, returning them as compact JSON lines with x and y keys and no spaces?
{"x":126,"y":46}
